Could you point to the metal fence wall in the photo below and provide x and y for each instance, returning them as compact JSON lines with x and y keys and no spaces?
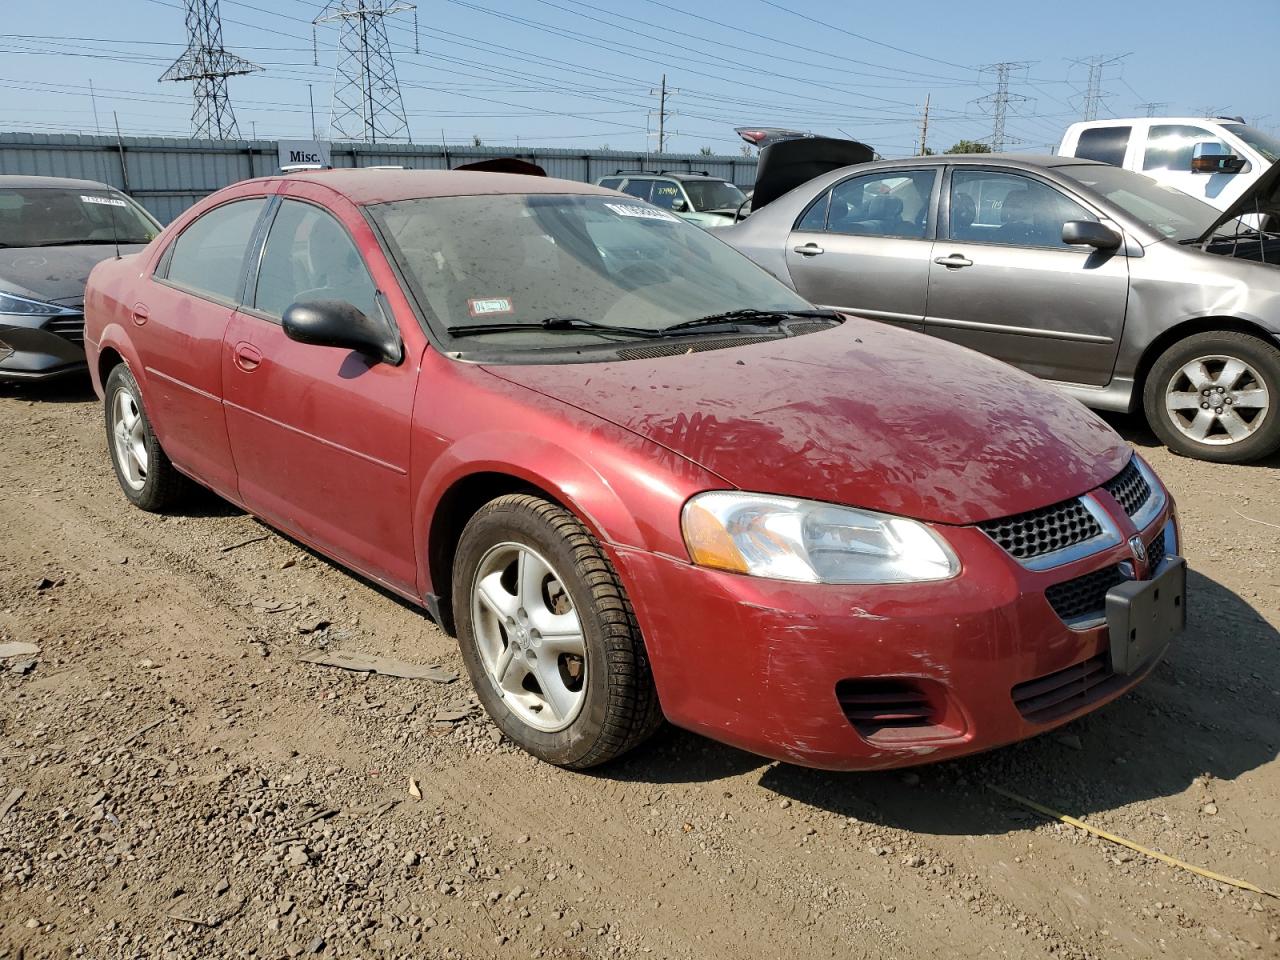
{"x":168,"y":174}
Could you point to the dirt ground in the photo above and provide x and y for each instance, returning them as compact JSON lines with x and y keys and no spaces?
{"x":191,"y":790}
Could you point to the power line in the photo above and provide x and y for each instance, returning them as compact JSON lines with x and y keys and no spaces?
{"x":208,"y":64}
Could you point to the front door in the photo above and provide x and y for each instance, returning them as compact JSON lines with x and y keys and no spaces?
{"x":863,"y":246}
{"x":1003,"y":282}
{"x":321,"y":434}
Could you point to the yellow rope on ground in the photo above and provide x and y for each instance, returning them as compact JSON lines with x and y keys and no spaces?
{"x":1172,"y":861}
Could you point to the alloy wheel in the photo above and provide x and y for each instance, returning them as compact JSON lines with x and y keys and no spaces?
{"x":529,"y":636}
{"x":1217,"y":400}
{"x":129,"y":439}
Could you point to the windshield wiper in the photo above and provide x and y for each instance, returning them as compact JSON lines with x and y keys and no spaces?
{"x":771,"y":318}
{"x":551,"y":324}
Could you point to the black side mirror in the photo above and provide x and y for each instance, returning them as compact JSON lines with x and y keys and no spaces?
{"x":1089,"y":233}
{"x":335,"y":323}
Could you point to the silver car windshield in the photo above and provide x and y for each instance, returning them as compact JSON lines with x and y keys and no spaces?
{"x":1264,"y":143}
{"x":523,"y":259}
{"x":1166,"y":210}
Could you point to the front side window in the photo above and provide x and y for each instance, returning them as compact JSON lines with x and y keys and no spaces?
{"x":1104,"y":144}
{"x":882,"y":205}
{"x":57,"y":217}
{"x":309,"y":256}
{"x":208,"y":256}
{"x":1006,"y":208}
{"x":525,"y":259}
{"x":638,"y":188}
{"x":665,"y":194}
{"x":1170,"y":146}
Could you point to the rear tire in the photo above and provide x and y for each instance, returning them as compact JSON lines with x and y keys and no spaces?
{"x":1216,"y":396}
{"x":548,"y":635}
{"x":146,"y":476}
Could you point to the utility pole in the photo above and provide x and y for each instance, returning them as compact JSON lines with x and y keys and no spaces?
{"x":94,"y":100}
{"x":924,"y":127}
{"x":311,"y":101}
{"x":1094,"y":94}
{"x":999,"y":100}
{"x":662,"y":93}
{"x":366,"y":93}
{"x":206,"y":62}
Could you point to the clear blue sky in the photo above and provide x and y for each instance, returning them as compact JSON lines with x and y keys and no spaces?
{"x":578,"y":73}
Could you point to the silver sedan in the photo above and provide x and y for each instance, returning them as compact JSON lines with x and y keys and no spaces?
{"x":1130,"y":295}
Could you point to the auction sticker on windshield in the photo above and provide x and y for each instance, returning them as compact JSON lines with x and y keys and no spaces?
{"x":643,"y":213}
{"x":489,"y":306}
{"x":109,"y":201}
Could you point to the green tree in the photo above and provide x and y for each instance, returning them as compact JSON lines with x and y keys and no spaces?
{"x":706,"y":151}
{"x":970,"y":146}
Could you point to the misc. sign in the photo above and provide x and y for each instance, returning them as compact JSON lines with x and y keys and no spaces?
{"x":295,"y":153}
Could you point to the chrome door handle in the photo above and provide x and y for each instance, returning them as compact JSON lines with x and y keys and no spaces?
{"x":808,"y":249}
{"x":955,"y":260}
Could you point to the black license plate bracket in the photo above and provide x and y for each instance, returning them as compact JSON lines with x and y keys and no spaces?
{"x":1143,"y":616}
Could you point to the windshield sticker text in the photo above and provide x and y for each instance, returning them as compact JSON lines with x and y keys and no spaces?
{"x":108,"y":201}
{"x":642,"y":213}
{"x":489,"y":306}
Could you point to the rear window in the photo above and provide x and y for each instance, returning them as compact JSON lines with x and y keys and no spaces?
{"x":1104,"y":144}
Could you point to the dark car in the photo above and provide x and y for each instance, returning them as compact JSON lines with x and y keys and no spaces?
{"x":634,"y":473}
{"x":52,"y":233}
{"x":1130,"y":295}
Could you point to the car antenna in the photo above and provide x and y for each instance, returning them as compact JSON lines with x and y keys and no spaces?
{"x":106,"y":190}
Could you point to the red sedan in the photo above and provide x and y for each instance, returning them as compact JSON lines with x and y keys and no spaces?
{"x":636,"y":475}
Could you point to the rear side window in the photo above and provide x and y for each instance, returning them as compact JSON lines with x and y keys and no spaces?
{"x":1170,"y":146}
{"x":310,"y":256}
{"x":208,"y":256}
{"x":665,"y":193}
{"x":1104,"y":144}
{"x":611,"y":183}
{"x":882,"y":205}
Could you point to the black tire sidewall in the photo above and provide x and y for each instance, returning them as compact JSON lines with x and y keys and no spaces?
{"x":516,"y":525}
{"x":1258,"y":354}
{"x":121,"y":379}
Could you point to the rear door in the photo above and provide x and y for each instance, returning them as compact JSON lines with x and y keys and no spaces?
{"x":321,"y":434}
{"x":1003,"y":282}
{"x":864,"y":246}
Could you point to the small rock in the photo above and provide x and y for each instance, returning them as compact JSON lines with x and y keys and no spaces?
{"x":314,"y":625}
{"x":32,"y":923}
{"x":1070,"y":740}
{"x":23,"y":667}
{"x":297,"y":857}
{"x":44,"y":583}
{"x":413,"y":789}
{"x":410,"y":859}
{"x":1210,"y":809}
{"x":785,"y":804}
{"x":913,"y":861}
{"x":17,"y":648}
{"x":221,"y":887}
{"x":316,"y":945}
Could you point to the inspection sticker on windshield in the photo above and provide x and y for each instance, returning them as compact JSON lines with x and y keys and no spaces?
{"x":108,"y":201}
{"x":489,"y":306}
{"x":642,"y":213}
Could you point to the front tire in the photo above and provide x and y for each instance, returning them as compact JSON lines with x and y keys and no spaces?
{"x":1216,"y":396}
{"x":548,"y":635}
{"x":146,"y":476}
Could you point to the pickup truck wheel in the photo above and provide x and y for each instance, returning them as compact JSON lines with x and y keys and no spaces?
{"x":146,"y":476}
{"x":548,"y":635}
{"x":1216,"y":396}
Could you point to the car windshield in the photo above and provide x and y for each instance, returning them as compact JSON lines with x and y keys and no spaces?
{"x":713,"y":194}
{"x":1166,"y":210}
{"x":60,"y":216}
{"x":527,"y":259}
{"x":1264,"y":143}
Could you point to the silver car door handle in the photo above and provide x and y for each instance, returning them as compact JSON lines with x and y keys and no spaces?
{"x":955,"y":260}
{"x":808,"y":249}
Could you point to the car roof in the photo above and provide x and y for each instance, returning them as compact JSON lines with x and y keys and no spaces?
{"x":1025,"y":161}
{"x":365,"y":187}
{"x":1121,"y":121}
{"x":637,"y":174}
{"x":20,"y":182}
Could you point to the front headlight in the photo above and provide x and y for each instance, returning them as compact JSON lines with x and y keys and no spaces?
{"x":787,"y":539}
{"x":23,"y":307}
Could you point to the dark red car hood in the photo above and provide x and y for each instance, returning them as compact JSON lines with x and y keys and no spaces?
{"x":864,"y":414}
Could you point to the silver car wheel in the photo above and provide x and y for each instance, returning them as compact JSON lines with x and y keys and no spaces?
{"x":1217,"y":400}
{"x":529,"y":636}
{"x":129,"y":439}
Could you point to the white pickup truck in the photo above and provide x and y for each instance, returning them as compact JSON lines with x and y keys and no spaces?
{"x":1213,"y":159}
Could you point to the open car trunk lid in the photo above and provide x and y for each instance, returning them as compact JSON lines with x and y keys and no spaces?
{"x":785,"y":164}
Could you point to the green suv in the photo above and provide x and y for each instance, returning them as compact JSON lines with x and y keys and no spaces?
{"x":697,"y":197}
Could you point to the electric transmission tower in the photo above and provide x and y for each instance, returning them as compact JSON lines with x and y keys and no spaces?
{"x":999,"y":100}
{"x":1155,"y":107}
{"x":207,"y":64}
{"x":1094,"y":94}
{"x":366,"y":94}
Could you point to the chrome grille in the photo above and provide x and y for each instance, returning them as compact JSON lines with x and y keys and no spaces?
{"x":1046,"y":530}
{"x":1129,"y":488}
{"x":68,"y":327}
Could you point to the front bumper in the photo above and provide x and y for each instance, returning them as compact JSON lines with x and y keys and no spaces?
{"x":40,"y":353}
{"x":805,"y":672}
